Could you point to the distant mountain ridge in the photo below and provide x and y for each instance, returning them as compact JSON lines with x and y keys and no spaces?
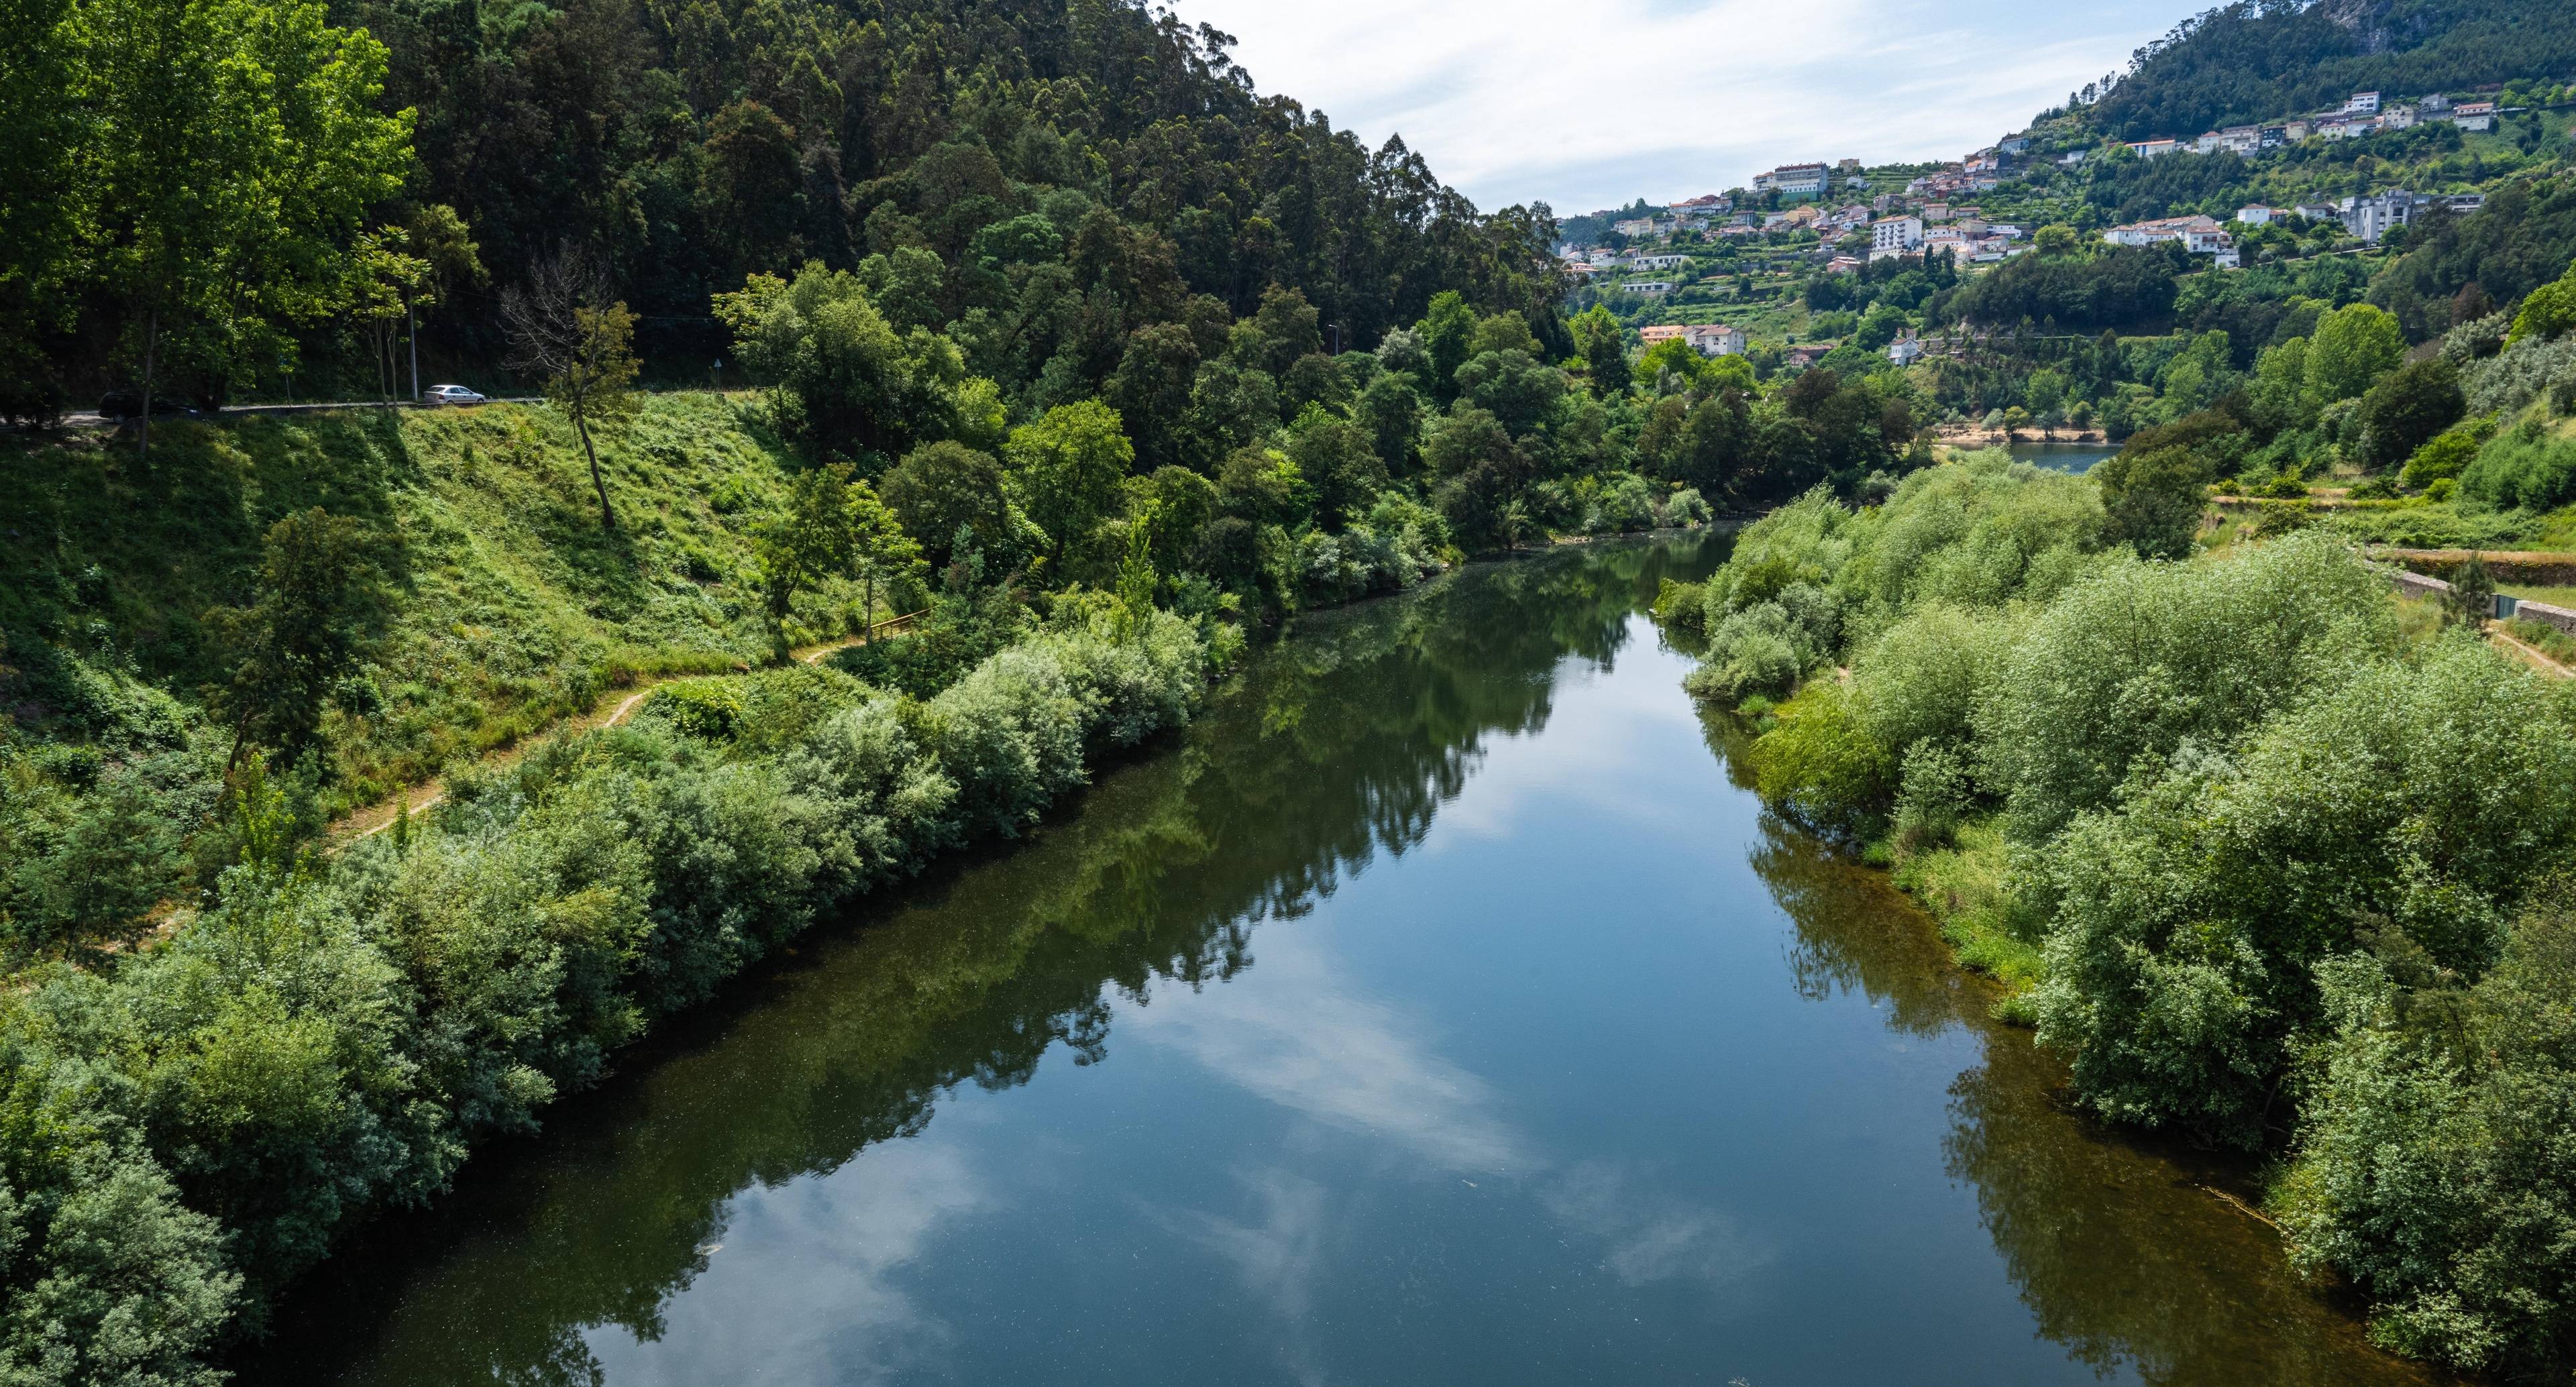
{"x":2260,"y":59}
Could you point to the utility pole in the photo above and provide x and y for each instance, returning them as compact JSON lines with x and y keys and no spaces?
{"x":411,"y":330}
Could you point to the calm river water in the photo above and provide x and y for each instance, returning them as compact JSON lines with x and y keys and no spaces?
{"x":1439,"y":1009}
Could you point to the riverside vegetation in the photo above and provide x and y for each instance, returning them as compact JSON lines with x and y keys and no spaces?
{"x":2272,"y":863}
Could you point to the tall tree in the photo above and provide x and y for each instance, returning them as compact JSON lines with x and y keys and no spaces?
{"x":237,"y":144}
{"x":304,"y":631}
{"x":564,"y":330}
{"x":1065,"y":470}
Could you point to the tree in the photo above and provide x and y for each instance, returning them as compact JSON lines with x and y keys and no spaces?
{"x":305,"y":630}
{"x":2407,"y":409}
{"x":848,"y":382}
{"x":1334,"y":456}
{"x":2353,"y":346}
{"x":2471,"y":600}
{"x":564,"y":330}
{"x":237,"y":143}
{"x":1448,"y":334}
{"x":832,"y":527}
{"x":1065,"y":469}
{"x":49,"y":210}
{"x":941,"y":488}
{"x":1599,"y":339}
{"x":2155,"y":499}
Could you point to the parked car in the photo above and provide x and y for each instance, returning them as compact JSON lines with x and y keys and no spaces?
{"x":450,"y":395}
{"x":127,"y":404}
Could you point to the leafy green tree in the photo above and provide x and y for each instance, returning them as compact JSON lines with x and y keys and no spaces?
{"x":1065,"y":469}
{"x":1448,"y":334}
{"x":2471,"y":600}
{"x":832,"y":526}
{"x":1392,"y":413}
{"x":848,"y":382}
{"x":306,"y":629}
{"x":2548,"y":312}
{"x":2407,"y":409}
{"x":1334,"y":456}
{"x":566,"y":332}
{"x":235,"y":145}
{"x":48,"y":215}
{"x":1599,"y":339}
{"x":943,"y":488}
{"x":1151,"y":390}
{"x":2155,"y":500}
{"x":2352,"y":348}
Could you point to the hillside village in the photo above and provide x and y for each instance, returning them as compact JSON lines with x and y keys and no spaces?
{"x":1737,"y":272}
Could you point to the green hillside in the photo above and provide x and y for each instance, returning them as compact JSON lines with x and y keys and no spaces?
{"x":2260,"y":61}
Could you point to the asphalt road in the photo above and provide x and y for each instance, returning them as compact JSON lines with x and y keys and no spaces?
{"x":92,"y":419}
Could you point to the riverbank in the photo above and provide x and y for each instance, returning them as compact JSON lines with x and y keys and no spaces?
{"x":2220,"y":787}
{"x":1074,"y":1102}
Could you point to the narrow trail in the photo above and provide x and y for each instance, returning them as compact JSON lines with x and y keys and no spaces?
{"x":376,"y":818}
{"x":2531,"y":653}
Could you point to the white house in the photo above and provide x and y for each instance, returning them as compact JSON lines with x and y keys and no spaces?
{"x":2361,"y":104}
{"x":1648,"y":288}
{"x":1898,"y":235}
{"x":1715,"y":339}
{"x":1640,"y":226}
{"x":2474,"y":115}
{"x":2255,"y":215}
{"x":2154,"y":149}
{"x":2199,"y":234}
{"x":1905,"y":350}
{"x":1659,"y":262}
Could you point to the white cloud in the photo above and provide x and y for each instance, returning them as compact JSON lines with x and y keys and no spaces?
{"x":803,"y":1280}
{"x":1588,"y":106}
{"x":1297,"y":1033}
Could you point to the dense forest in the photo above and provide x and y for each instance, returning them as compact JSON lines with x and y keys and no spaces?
{"x":2263,"y":59}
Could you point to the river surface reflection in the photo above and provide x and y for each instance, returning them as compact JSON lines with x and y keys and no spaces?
{"x":1438,"y":1009}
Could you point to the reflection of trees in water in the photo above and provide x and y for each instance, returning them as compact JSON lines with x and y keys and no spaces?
{"x":1341,"y":742}
{"x":2122,"y":1253}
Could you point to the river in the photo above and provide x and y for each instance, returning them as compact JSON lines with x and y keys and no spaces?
{"x":1438,"y":1009}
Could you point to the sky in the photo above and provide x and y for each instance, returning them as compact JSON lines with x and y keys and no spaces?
{"x":1590,"y":106}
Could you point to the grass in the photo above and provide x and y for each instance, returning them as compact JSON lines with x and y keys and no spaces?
{"x":1964,"y":886}
{"x":2556,"y":597}
{"x":510,"y":607}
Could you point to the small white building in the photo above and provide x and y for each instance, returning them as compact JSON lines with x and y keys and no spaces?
{"x":2154,"y":149}
{"x":2255,"y":215}
{"x":1715,"y":339}
{"x":1905,"y":350}
{"x":1899,"y":235}
{"x":2474,"y":115}
{"x":1659,"y":262}
{"x":1648,"y":288}
{"x":2361,"y":104}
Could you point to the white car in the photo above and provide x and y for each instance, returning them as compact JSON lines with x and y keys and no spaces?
{"x":450,"y":395}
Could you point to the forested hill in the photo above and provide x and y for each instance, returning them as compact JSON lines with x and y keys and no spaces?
{"x":2261,"y":59}
{"x":1080,"y":168}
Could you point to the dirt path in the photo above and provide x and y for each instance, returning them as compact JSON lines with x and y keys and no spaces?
{"x":2531,"y":653}
{"x":376,"y":818}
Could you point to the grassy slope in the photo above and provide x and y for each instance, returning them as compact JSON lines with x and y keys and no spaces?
{"x":510,"y":608}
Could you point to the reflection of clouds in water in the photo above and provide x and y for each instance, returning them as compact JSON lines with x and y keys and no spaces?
{"x":802,"y":1288}
{"x":1279,"y":1258}
{"x":1294,"y":1032}
{"x":1650,"y":1236}
{"x":1598,"y":770}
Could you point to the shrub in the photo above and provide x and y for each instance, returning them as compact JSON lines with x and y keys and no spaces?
{"x":2529,"y":465}
{"x":1819,"y":765}
{"x":2132,"y":664}
{"x":2188,"y":920}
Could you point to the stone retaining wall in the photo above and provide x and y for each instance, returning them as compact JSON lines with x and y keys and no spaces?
{"x":2559,"y":617}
